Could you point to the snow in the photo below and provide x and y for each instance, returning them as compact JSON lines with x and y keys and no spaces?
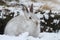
{"x":50,"y":36}
{"x":56,"y":21}
{"x":46,"y":16}
{"x":52,"y":15}
{"x":25,"y":36}
{"x":12,"y":3}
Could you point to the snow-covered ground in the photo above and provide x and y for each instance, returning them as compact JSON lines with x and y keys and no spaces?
{"x":25,"y":36}
{"x":43,"y":36}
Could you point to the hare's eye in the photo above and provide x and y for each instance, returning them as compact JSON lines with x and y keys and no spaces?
{"x":30,"y":18}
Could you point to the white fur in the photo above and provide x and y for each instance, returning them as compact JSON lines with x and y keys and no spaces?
{"x":21,"y":24}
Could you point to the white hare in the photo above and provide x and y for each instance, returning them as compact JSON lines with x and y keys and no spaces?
{"x":20,"y":24}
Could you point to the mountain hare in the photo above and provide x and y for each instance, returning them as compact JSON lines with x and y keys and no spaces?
{"x":27,"y":23}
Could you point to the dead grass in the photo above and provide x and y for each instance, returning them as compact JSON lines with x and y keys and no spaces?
{"x":33,"y":0}
{"x":45,"y":7}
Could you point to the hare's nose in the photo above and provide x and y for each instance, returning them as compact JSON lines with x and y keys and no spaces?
{"x":30,"y":18}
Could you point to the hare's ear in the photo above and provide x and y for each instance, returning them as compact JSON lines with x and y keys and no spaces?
{"x":31,"y":8}
{"x":24,"y":8}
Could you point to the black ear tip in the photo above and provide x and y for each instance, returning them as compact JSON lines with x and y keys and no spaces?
{"x":31,"y":8}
